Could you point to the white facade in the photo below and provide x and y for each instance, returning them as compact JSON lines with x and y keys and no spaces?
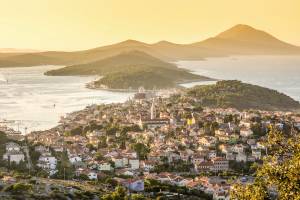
{"x":105,"y":167}
{"x":256,"y":153}
{"x":246,"y":132}
{"x":13,"y":153}
{"x":125,"y":161}
{"x":118,"y":162}
{"x":241,"y":157}
{"x":212,"y":154}
{"x":147,"y":165}
{"x":220,"y":164}
{"x":134,"y":163}
{"x":14,"y":157}
{"x":75,"y":159}
{"x":238,"y":148}
{"x":128,"y":173}
{"x":230,"y":156}
{"x":93,"y":176}
{"x":12,"y":146}
{"x":47,"y":162}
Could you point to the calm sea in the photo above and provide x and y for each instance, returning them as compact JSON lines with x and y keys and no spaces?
{"x":37,"y":102}
{"x":281,"y":73}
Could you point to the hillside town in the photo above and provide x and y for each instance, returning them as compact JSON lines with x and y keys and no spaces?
{"x":167,"y":138}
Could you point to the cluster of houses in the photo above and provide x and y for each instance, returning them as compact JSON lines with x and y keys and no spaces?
{"x":214,"y":185}
{"x":46,"y":160}
{"x":10,"y":132}
{"x":173,"y":132}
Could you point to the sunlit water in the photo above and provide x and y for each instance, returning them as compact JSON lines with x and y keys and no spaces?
{"x":37,"y":102}
{"x":28,"y":97}
{"x":281,"y":73}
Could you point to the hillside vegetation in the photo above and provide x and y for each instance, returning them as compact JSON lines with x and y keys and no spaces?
{"x":125,"y":61}
{"x":242,"y":96}
{"x":148,"y":77}
{"x":131,"y":70}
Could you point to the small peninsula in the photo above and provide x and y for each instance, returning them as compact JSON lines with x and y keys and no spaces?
{"x":132,"y":70}
{"x":235,"y":94}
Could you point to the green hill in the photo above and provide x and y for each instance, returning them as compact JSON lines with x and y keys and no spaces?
{"x":147,"y":76}
{"x":124,"y":61}
{"x":131,"y":70}
{"x":147,"y":79}
{"x":240,"y":95}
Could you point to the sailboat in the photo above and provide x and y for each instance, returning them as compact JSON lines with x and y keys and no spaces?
{"x":3,"y":78}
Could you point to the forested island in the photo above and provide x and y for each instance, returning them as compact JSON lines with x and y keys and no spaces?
{"x":233,"y":93}
{"x":131,"y":69}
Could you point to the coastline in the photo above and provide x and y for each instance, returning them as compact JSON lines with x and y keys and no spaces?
{"x":91,"y":85}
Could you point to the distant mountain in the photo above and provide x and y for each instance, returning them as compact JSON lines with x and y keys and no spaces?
{"x":244,"y":39}
{"x":13,"y":50}
{"x":235,"y":94}
{"x":131,"y":69}
{"x":247,"y":33}
{"x":238,"y":40}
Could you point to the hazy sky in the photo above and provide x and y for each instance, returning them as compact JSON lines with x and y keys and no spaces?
{"x":81,"y":24}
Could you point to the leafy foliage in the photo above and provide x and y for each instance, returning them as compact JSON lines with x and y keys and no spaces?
{"x":64,"y":167}
{"x":3,"y":140}
{"x":19,"y":188}
{"x":177,"y":166}
{"x":280,"y":170}
{"x":155,"y":186}
{"x":118,"y":194}
{"x":141,"y":149}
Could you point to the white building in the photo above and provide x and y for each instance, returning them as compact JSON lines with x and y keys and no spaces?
{"x":47,"y":162}
{"x":134,"y":163}
{"x":75,"y":159}
{"x":220,"y":164}
{"x":105,"y":166}
{"x":16,"y":157}
{"x":13,"y":153}
{"x":238,"y":148}
{"x":246,"y":132}
{"x":256,"y":153}
{"x":212,"y":154}
{"x":92,"y":176}
{"x":12,"y":147}
{"x":128,"y":173}
{"x":230,"y":156}
{"x":148,"y":165}
{"x":241,"y":157}
{"x":118,"y":160}
{"x":207,"y":141}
